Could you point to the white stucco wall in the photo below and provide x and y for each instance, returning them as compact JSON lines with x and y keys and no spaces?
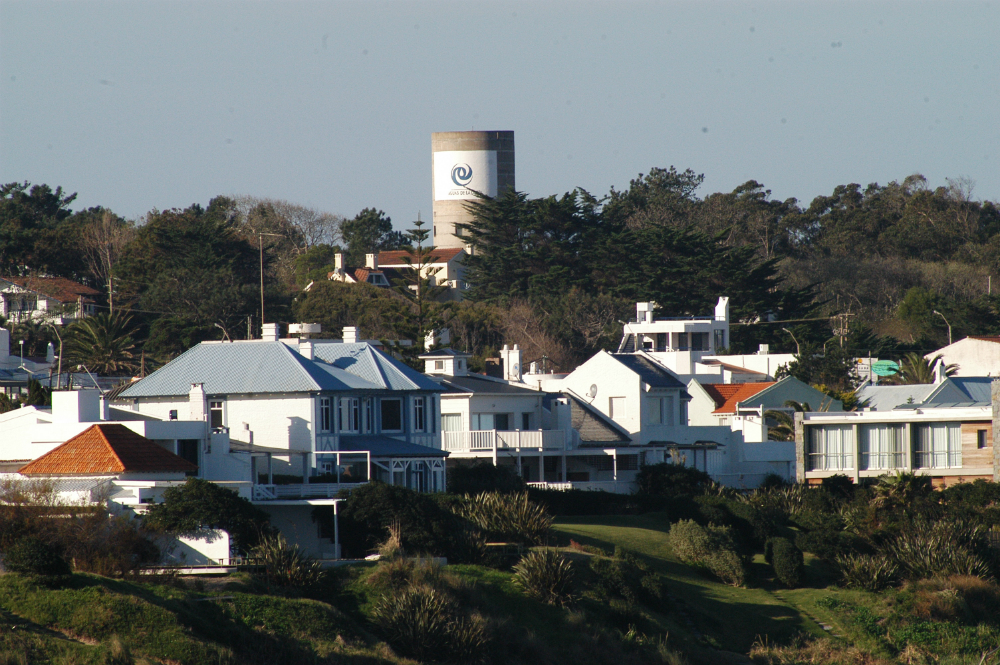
{"x":974,"y":357}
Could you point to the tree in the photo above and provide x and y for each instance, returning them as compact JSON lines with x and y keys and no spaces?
{"x":38,"y":232}
{"x":418,"y":287}
{"x":104,"y":242}
{"x":376,"y":313}
{"x":370,"y":232}
{"x":915,"y":369}
{"x":199,"y":504}
{"x":103,"y":344}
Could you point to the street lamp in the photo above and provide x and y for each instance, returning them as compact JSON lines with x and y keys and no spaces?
{"x":21,"y":342}
{"x":260,"y":243}
{"x":947,"y":324}
{"x":59,"y":375}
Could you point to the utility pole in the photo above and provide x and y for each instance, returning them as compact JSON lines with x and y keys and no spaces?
{"x":947,"y":324}
{"x":842,"y":326}
{"x":260,"y":244}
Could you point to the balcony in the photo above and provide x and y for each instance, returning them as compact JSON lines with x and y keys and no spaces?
{"x":262,"y":492}
{"x":491,"y":441}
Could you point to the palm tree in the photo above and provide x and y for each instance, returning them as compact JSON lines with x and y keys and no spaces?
{"x":785,"y":429}
{"x":915,"y":369}
{"x":102,"y":344}
{"x":901,"y":489}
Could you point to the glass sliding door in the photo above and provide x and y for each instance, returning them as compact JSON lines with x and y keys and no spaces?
{"x":882,"y":446}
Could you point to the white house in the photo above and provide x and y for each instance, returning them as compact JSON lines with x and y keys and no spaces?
{"x":371,"y":273}
{"x":975,"y":356}
{"x":443,"y":267}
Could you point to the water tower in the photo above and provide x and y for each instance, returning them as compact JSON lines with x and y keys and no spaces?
{"x":463,"y":162}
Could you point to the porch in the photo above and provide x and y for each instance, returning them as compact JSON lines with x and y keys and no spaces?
{"x":477,"y":442}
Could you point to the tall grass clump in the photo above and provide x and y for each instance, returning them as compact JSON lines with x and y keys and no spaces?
{"x":711,"y":548}
{"x":867,"y":572}
{"x":284,"y":566}
{"x":508,"y":517}
{"x":546,"y":575}
{"x":924,"y":550}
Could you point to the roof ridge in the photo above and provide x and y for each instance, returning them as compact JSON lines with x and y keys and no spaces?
{"x":298,"y":359}
{"x":378,"y":366}
{"x":104,"y":437}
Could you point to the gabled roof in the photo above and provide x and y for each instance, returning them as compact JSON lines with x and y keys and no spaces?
{"x":886,"y":397}
{"x":371,"y":365}
{"x":106,"y":449}
{"x":472,"y":383}
{"x":57,"y":288}
{"x":727,"y":395}
{"x":985,"y":338}
{"x":961,"y":390}
{"x":447,"y":352}
{"x":651,"y":372}
{"x":246,"y":367}
{"x":594,"y":427}
{"x":398,"y":258}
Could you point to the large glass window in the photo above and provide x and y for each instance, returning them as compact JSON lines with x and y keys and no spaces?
{"x":831,"y":448}
{"x":486,"y":421}
{"x":937,"y":445}
{"x":882,"y":446}
{"x":350,"y":416}
{"x":699,"y":341}
{"x":392,"y":415}
{"x":325,"y":419}
{"x":419,"y":414}
{"x":451,"y":422}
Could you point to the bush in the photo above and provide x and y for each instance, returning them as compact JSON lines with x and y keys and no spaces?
{"x":711,"y":548}
{"x":285,"y":566}
{"x":424,"y":623}
{"x":105,"y":545}
{"x":581,"y":502}
{"x":925,"y":550}
{"x":787,"y":561}
{"x":482,"y":477}
{"x":546,"y":575}
{"x":625,"y":576}
{"x":34,"y":556}
{"x":508,"y":518}
{"x":867,"y":572}
{"x":672,"y":480}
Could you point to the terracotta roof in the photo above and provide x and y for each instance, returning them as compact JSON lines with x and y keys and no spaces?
{"x":397,"y":258}
{"x":727,"y":395}
{"x":58,"y":288}
{"x":106,"y":449}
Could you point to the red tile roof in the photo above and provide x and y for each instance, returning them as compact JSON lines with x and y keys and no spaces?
{"x":106,"y":449}
{"x":727,"y":395}
{"x":397,"y":258}
{"x":57,"y":288}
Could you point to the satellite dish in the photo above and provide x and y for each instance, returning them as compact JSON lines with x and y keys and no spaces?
{"x":593,"y":391}
{"x":515,"y":368}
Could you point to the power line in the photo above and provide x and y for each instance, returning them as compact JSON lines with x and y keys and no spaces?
{"x":760,"y":323}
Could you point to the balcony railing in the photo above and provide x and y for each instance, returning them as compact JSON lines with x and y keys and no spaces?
{"x":489,"y":440}
{"x":262,"y":492}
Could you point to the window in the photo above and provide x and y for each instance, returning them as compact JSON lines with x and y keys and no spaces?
{"x":487,"y":421}
{"x":369,"y":408}
{"x":439,"y":365}
{"x":188,"y":449}
{"x":324,"y":414}
{"x":981,"y":441}
{"x":502,"y":421}
{"x":616,"y":407}
{"x":937,"y":445}
{"x":668,"y":410}
{"x":526,"y":421}
{"x":216,"y":419}
{"x":419,"y":414}
{"x":392,"y":415}
{"x":628,"y":462}
{"x":451,"y":422}
{"x":720,"y":340}
{"x":882,"y":446}
{"x":831,"y":448}
{"x":349,"y":414}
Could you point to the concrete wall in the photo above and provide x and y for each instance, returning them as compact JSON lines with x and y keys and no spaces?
{"x":448,"y":213}
{"x":974,"y":357}
{"x":514,"y":405}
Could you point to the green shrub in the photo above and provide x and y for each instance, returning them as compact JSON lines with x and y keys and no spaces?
{"x":926,"y":550}
{"x":787,"y":561}
{"x":34,"y":556}
{"x":624,"y":576}
{"x":580,"y":502}
{"x":285,"y":566}
{"x":482,"y":477}
{"x":508,"y":517}
{"x":711,"y":548}
{"x":113,"y":546}
{"x":424,"y":623}
{"x":671,"y":480}
{"x":546,"y":575}
{"x":867,"y":572}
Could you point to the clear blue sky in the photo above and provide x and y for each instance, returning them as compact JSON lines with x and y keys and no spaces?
{"x":136,"y":105}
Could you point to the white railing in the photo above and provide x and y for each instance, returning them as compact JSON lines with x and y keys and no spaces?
{"x":264,"y":492}
{"x":491,"y":439}
{"x":613,"y":486}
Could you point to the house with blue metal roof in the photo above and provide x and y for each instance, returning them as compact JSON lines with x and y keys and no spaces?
{"x":308,"y":417}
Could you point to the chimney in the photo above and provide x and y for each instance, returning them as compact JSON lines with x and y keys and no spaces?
{"x":350,"y":334}
{"x":198,"y":402}
{"x":722,"y":309}
{"x":511,"y":363}
{"x":763,"y":349}
{"x":271,"y":332}
{"x":306,"y":348}
{"x":371,"y":261}
{"x":338,"y":262}
{"x":76,"y":406}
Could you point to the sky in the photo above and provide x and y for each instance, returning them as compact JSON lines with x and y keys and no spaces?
{"x":331,"y":105}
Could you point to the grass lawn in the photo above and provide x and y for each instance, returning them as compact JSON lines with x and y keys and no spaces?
{"x":730,"y":618}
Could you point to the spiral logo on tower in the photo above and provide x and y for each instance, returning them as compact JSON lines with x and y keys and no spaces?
{"x":461,"y":174}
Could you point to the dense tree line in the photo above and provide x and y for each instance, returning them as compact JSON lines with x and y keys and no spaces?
{"x":554,"y":274}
